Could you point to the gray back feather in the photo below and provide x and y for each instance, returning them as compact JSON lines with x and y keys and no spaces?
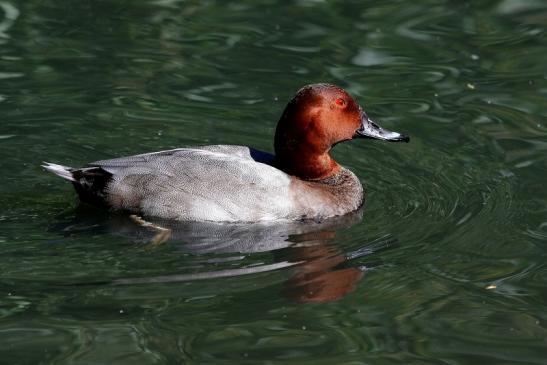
{"x":223,"y":183}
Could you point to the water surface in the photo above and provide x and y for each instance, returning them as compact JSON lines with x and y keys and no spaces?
{"x":446,"y":264}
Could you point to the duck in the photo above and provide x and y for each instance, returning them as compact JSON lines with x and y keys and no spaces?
{"x":230,"y":183}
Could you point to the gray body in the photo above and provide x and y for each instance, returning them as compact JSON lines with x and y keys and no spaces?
{"x":212,"y":183}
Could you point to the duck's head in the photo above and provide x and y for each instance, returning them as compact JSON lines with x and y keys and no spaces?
{"x":318,"y":117}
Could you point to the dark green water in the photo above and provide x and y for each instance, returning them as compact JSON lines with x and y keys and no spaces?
{"x":446,"y":266}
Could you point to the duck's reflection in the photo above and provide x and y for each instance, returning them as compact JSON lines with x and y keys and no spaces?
{"x":320,"y":277}
{"x":319,"y":270}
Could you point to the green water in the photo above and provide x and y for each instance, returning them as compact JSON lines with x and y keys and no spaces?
{"x":447,"y":264}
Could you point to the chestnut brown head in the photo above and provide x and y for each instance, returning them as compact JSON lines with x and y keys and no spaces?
{"x":318,"y":117}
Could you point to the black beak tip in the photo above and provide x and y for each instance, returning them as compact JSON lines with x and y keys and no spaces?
{"x":400,"y":138}
{"x":404,"y":138}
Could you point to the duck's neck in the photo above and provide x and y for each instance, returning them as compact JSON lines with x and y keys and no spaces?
{"x":306,"y":164}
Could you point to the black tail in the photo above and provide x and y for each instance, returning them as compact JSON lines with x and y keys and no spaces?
{"x":90,"y":182}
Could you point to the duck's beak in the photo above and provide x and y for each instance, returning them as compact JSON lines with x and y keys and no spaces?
{"x":369,"y":129}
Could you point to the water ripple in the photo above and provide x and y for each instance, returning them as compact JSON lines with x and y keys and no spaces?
{"x":11,"y":13}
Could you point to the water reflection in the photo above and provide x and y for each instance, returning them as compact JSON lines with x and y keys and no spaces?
{"x":319,"y":270}
{"x":10,"y":14}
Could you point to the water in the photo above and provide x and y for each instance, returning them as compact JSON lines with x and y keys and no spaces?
{"x":446,"y":265}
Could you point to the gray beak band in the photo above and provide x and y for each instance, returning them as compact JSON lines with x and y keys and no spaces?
{"x":369,"y":129}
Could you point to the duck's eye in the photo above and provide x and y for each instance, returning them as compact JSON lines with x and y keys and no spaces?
{"x":340,"y":102}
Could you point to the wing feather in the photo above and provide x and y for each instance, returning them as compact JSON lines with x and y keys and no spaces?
{"x":206,"y":183}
